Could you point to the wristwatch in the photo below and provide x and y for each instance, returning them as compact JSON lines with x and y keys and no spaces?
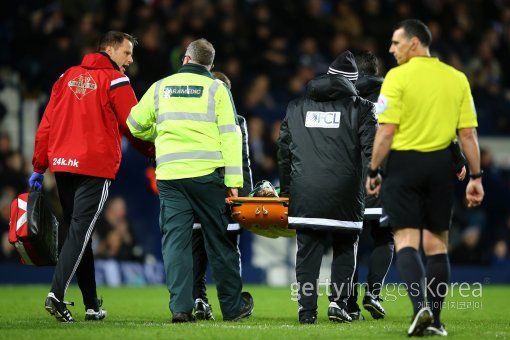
{"x":373,"y":173}
{"x":475,"y":176}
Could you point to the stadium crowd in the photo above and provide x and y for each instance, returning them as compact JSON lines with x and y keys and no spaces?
{"x":269,"y":50}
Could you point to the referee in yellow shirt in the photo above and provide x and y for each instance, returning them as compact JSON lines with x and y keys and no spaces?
{"x":424,"y":105}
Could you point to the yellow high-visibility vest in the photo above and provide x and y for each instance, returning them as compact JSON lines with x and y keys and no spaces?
{"x":191,"y":118}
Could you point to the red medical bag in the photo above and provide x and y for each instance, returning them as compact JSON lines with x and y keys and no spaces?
{"x":33,"y":230}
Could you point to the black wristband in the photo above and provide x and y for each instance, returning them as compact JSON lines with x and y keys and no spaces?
{"x":475,"y":176}
{"x":373,"y":173}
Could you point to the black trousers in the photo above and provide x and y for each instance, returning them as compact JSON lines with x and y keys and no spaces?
{"x":200,"y":262}
{"x":311,"y":246}
{"x":82,"y":199}
{"x":379,"y":263}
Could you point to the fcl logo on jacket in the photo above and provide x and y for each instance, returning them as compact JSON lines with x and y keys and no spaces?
{"x":82,"y":85}
{"x":319,"y":119}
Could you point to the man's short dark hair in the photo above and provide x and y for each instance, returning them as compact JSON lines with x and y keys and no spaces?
{"x":115,"y":39}
{"x":223,"y":77}
{"x":416,"y":28}
{"x":367,"y":62}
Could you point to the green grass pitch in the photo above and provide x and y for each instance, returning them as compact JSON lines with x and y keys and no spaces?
{"x":136,"y":313}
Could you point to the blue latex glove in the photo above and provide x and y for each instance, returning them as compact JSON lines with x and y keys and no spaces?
{"x":35,"y":181}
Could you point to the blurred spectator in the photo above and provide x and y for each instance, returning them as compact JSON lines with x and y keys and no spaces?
{"x":339,"y":43}
{"x":439,"y":46}
{"x":233,"y":69}
{"x":13,"y":174}
{"x":458,"y":43}
{"x":277,"y":61}
{"x":5,"y":149}
{"x":468,"y":252}
{"x":454,"y":60}
{"x":177,"y":53}
{"x":497,"y":187}
{"x":87,"y":35}
{"x":263,"y":166}
{"x":314,"y":14}
{"x":271,"y":152}
{"x":347,"y":21}
{"x":3,"y":109}
{"x":258,"y":99}
{"x":121,"y":15}
{"x":261,"y":22}
{"x":151,"y":61}
{"x":196,"y":24}
{"x":483,"y":66}
{"x":227,"y":41}
{"x":57,"y":58}
{"x":500,"y":256}
{"x":311,"y":57}
{"x":295,"y":86}
{"x":493,"y":108}
{"x":503,"y":52}
{"x":114,"y":234}
{"x":7,"y":251}
{"x":173,"y":30}
{"x":375,"y":24}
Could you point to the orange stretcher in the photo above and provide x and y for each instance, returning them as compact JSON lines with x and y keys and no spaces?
{"x":264,"y":216}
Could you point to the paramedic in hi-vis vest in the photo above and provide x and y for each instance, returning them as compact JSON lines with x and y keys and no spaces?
{"x":191,"y":118}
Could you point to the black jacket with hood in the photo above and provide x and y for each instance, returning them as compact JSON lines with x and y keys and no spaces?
{"x":320,"y":147}
{"x":369,"y":87}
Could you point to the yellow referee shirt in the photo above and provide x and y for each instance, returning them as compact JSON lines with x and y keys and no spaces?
{"x":429,"y":101}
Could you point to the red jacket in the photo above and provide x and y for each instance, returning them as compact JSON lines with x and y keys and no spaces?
{"x":80,"y":130}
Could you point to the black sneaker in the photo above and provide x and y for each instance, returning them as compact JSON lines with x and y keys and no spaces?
{"x":337,"y":314}
{"x":356,"y":316}
{"x":435,"y":331}
{"x":308,"y":320}
{"x":421,"y":321}
{"x":58,"y":308}
{"x":182,"y":317}
{"x":372,"y":305}
{"x":246,"y":307}
{"x":96,"y":314}
{"x":203,"y":310}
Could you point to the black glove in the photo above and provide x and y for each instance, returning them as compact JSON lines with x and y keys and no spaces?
{"x":459,"y":160}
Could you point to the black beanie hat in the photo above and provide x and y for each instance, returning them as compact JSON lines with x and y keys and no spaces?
{"x":345,"y":65}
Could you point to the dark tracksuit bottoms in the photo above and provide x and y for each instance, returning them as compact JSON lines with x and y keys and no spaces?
{"x":181,"y":200}
{"x":311,"y":247}
{"x":378,"y":265}
{"x":82,"y":199}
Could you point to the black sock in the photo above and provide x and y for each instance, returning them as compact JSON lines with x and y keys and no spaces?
{"x":411,"y":270}
{"x":438,"y":277}
{"x":378,"y":265}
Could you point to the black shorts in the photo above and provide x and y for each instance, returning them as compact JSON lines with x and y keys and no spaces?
{"x":417,"y":191}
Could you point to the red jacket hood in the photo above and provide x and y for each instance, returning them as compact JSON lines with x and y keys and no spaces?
{"x":98,"y":60}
